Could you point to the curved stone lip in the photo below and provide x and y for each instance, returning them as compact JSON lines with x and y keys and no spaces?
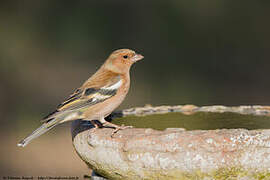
{"x":257,"y":110}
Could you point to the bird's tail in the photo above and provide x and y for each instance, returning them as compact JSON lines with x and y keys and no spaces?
{"x":39,"y":131}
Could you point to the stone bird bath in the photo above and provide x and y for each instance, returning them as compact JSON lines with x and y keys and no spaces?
{"x":179,"y":142}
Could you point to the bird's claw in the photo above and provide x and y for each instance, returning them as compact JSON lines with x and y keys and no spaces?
{"x":122,"y":127}
{"x":116,"y":127}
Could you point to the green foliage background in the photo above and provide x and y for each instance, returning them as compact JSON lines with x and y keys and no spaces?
{"x":196,"y":52}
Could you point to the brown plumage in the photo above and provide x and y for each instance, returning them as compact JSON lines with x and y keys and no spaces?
{"x":97,"y":97}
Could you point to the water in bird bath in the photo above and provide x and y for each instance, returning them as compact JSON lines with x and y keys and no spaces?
{"x":200,"y":120}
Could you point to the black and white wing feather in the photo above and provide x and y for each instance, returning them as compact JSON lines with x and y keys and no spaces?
{"x":84,"y":98}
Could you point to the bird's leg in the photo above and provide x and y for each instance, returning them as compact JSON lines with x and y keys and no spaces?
{"x":96,"y":124}
{"x":116,"y":127}
{"x":107,"y":124}
{"x":92,"y":123}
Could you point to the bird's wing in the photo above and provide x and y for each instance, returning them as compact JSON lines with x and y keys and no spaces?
{"x":86,"y":97}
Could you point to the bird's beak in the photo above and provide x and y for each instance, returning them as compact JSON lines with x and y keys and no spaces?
{"x":137,"y":57}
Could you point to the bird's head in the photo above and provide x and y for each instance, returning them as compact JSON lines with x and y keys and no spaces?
{"x":121,"y":60}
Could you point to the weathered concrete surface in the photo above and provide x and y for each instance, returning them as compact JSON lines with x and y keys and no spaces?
{"x":174,"y":153}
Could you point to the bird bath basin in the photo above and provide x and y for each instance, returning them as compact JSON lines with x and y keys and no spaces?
{"x":196,"y":121}
{"x":180,"y":142}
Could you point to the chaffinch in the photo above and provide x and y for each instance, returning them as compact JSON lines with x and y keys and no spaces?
{"x":97,"y":97}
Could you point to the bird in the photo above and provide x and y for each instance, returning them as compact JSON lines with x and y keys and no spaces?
{"x":97,"y":98}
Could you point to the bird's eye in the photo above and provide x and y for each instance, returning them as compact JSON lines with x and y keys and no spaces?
{"x":125,"y":57}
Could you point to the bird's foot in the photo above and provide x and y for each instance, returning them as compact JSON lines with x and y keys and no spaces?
{"x":122,"y":127}
{"x":116,"y":127}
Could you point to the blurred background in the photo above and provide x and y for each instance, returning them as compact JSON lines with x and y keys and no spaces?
{"x":196,"y":52}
